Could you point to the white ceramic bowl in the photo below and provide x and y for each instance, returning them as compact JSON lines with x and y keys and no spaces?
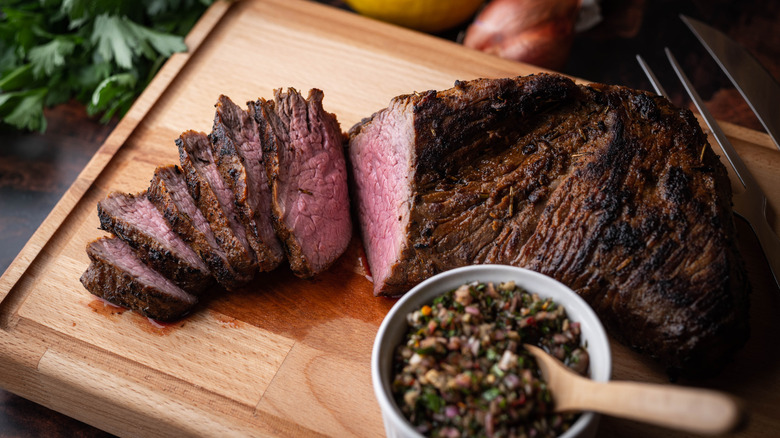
{"x":393,"y":327}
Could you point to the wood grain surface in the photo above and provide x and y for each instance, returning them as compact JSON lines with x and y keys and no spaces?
{"x":285,"y":356}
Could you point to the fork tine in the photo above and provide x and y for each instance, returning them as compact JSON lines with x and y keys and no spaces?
{"x":731,"y":154}
{"x":751,"y":204}
{"x":659,"y":90}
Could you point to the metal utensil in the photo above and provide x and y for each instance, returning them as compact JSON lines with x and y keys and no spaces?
{"x":760,"y":90}
{"x":750,"y":204}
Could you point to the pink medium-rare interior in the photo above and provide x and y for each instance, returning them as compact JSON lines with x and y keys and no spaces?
{"x":120,"y":253}
{"x":259,"y":194}
{"x":381,"y":157}
{"x":143,"y":214}
{"x":320,"y":175}
{"x":181,"y":197}
{"x":227,"y":113}
{"x":225,"y":197}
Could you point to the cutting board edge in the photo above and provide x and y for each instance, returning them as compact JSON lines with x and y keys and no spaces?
{"x":134,"y":117}
{"x":62,"y":404}
{"x":82,"y":380}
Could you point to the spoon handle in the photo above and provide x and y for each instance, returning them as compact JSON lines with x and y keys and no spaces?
{"x":695,"y":410}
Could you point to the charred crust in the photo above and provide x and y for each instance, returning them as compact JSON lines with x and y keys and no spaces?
{"x":614,"y":192}
{"x":104,"y":279}
{"x":151,"y":252}
{"x":677,"y":186}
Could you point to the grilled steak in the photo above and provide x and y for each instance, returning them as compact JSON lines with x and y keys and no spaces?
{"x":135,"y":220}
{"x":304,"y":161}
{"x":168,"y":192}
{"x":215,"y":200}
{"x":118,"y":276}
{"x":612,"y":191}
{"x":239,"y":159}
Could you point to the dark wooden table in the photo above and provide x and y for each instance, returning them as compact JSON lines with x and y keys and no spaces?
{"x":36,"y":169}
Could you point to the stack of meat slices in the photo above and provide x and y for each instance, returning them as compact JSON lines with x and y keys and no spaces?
{"x":268,"y":184}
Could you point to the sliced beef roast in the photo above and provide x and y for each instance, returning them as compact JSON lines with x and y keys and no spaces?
{"x":134,"y":219}
{"x":239,"y":159}
{"x":168,"y":192}
{"x":117,"y":275}
{"x":304,"y":161}
{"x":612,"y":191}
{"x":215,"y":200}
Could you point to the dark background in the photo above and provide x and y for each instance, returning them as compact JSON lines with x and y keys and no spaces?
{"x":36,"y":169}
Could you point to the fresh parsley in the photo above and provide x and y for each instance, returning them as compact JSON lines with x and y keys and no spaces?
{"x":102,"y":53}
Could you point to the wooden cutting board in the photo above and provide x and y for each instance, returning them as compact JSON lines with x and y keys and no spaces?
{"x":286,"y":356}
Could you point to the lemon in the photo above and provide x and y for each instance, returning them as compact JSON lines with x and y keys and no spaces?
{"x":424,"y":15}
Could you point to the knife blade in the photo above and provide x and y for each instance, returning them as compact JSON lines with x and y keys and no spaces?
{"x":757,"y":86}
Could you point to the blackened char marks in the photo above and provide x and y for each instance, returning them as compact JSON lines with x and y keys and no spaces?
{"x":239,"y":158}
{"x":215,"y":200}
{"x":134,"y":219}
{"x":613,"y":191}
{"x":168,"y":192}
{"x":449,"y":125}
{"x":641,"y":210}
{"x":676,"y":186}
{"x":478,"y":169}
{"x":215,"y":215}
{"x":117,"y":275}
{"x":585,"y":208}
{"x":305,"y":166}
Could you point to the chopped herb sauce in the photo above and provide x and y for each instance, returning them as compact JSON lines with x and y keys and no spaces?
{"x":461,"y":369}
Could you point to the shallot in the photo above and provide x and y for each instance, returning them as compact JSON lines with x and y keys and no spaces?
{"x":538,"y":32}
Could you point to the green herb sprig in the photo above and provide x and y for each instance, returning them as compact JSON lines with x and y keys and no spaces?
{"x":102,"y":53}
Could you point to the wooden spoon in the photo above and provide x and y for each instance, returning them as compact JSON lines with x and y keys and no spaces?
{"x":695,"y":410}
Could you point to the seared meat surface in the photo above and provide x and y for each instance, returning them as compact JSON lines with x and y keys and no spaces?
{"x":215,"y":200}
{"x":135,"y":220}
{"x":612,"y":191}
{"x":168,"y":192}
{"x":306,"y":169}
{"x":217,"y":216}
{"x":239,"y":158}
{"x":117,"y":275}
